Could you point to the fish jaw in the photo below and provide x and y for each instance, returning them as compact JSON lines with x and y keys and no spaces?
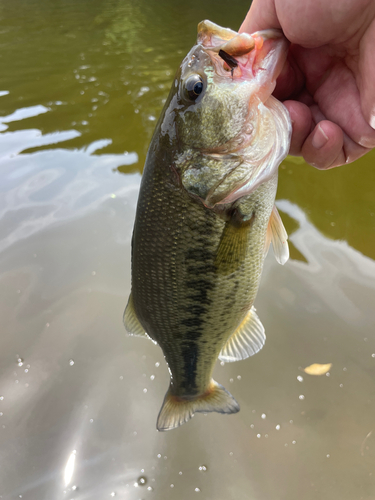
{"x":259,"y":56}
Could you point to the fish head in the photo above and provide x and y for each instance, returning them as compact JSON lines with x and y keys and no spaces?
{"x":218,"y":109}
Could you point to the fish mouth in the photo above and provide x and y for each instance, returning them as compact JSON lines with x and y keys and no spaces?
{"x":236,"y":55}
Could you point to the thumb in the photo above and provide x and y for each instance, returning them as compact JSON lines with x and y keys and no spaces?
{"x":261,"y":16}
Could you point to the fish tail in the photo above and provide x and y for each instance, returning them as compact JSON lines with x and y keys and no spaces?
{"x":177,"y":410}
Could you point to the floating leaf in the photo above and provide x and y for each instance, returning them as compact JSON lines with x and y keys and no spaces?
{"x":317,"y":369}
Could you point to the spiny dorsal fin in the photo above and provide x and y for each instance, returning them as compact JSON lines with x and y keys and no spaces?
{"x":132,"y":323}
{"x":177,"y":411}
{"x":247,"y":340}
{"x":278,"y":236}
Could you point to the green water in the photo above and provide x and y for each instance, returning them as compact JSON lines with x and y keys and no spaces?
{"x":81,"y":85}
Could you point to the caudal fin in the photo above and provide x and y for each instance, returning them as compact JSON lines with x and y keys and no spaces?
{"x":177,"y":411}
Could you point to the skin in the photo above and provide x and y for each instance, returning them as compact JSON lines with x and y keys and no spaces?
{"x":328,"y":81}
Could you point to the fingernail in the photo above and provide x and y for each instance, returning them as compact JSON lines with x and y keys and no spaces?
{"x":319,"y":139}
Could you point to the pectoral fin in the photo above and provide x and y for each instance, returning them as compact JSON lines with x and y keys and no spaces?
{"x":233,"y":247}
{"x":132,"y":323}
{"x":278,"y":236}
{"x":247,"y":340}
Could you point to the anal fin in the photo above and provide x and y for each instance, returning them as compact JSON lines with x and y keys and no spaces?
{"x":177,"y":411}
{"x":278,"y":236}
{"x":132,"y":323}
{"x":247,"y":340}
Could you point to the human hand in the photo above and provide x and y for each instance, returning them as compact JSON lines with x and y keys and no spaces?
{"x":328,"y":81}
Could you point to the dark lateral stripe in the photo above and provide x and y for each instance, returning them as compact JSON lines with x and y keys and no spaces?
{"x":189,"y":355}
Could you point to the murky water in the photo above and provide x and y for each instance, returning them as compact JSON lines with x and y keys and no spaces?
{"x":81,"y":86}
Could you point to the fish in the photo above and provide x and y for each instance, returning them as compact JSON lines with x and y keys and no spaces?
{"x":206,"y":215}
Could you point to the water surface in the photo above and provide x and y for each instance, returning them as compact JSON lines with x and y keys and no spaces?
{"x":81,"y":86}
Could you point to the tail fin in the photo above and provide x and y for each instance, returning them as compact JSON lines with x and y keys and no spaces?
{"x":177,"y":411}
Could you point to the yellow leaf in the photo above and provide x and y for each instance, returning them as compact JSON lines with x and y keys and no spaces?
{"x":317,"y":369}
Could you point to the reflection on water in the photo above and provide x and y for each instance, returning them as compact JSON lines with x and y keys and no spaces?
{"x":85,"y":82}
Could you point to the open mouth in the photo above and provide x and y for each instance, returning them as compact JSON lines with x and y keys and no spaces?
{"x":239,"y":54}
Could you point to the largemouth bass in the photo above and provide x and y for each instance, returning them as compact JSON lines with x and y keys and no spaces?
{"x":206,"y":215}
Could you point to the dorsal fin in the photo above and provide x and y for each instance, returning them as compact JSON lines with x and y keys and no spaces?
{"x":132,"y":323}
{"x":278,"y":236}
{"x":247,"y":340}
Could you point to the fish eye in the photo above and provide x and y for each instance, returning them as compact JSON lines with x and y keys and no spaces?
{"x":194,"y":87}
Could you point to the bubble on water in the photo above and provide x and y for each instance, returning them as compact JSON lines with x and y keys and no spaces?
{"x":150,"y":488}
{"x":47,"y":325}
{"x":93,"y":273}
{"x":157,"y":364}
{"x":266,"y":435}
{"x":294,"y":442}
{"x":165,"y":458}
{"x":152,"y":377}
{"x":180,"y":473}
{"x":171,"y":485}
{"x":121,"y":377}
{"x":328,"y":374}
{"x":252,"y":426}
{"x":278,"y":427}
{"x":341,"y":385}
{"x":328,"y":455}
{"x":26,"y":370}
{"x":20,"y":361}
{"x":222,"y":363}
{"x":300,"y":378}
{"x":290,"y":421}
{"x":239,"y":377}
{"x":71,"y":362}
{"x":91,"y":420}
{"x":231,"y":453}
{"x":231,"y":380}
{"x":74,"y":487}
{"x":301,"y":396}
{"x":113,"y":494}
{"x":344,"y":369}
{"x":158,"y":455}
{"x":259,"y":436}
{"x":202,"y":468}
{"x":1,"y":413}
{"x":263,"y":416}
{"x":286,"y":445}
{"x":197,"y":490}
{"x":145,"y":390}
{"x":135,"y":433}
{"x":142,"y":480}
{"x":1,"y":398}
{"x":373,"y":355}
